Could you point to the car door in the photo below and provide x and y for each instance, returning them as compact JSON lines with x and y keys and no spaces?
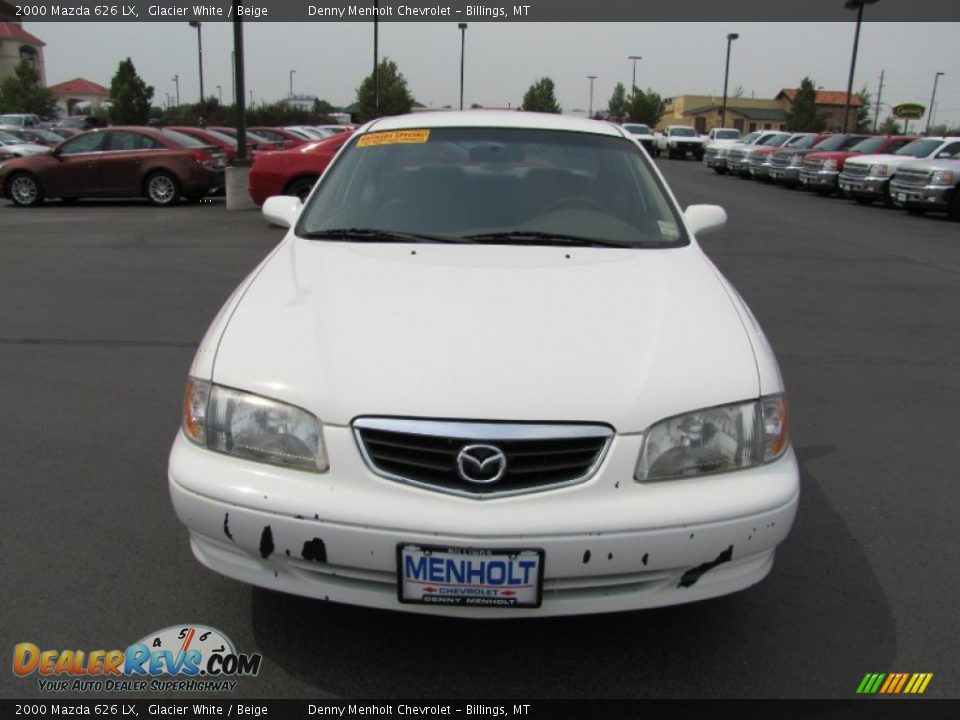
{"x":74,"y":174}
{"x":121,"y":165}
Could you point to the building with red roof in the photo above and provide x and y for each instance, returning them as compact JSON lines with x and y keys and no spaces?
{"x":76,"y":92}
{"x":830,"y":104}
{"x":16,"y":44}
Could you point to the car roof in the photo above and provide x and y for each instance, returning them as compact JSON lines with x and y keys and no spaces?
{"x":493,"y":119}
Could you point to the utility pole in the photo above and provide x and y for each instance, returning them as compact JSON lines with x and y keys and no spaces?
{"x":932,"y":99}
{"x":876,"y":114}
{"x":176,"y":81}
{"x":591,"y":78}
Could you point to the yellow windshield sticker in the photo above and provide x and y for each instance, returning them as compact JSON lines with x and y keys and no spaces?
{"x":394,"y":137}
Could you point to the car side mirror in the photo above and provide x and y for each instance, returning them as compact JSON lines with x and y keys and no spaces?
{"x":56,"y":152}
{"x":282,"y":210}
{"x":705,"y":219}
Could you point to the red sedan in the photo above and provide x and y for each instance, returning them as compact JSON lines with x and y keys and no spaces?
{"x":288,"y":139}
{"x":293,"y":172}
{"x":211,"y":137}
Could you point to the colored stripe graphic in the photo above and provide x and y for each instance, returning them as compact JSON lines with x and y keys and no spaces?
{"x":894,"y":683}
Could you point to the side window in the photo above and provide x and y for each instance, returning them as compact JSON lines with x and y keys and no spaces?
{"x":950,"y":151}
{"x":270,"y":135}
{"x":894,"y":146}
{"x":90,"y":142}
{"x":124,"y":140}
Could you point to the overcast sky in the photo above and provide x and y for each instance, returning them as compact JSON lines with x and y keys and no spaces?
{"x":503,"y":59}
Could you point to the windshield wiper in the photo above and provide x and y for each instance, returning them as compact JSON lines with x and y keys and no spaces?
{"x":547,"y":238}
{"x":373,"y":235}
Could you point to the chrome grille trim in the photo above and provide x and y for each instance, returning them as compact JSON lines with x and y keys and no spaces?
{"x":436,"y":433}
{"x":855,"y":170}
{"x":914,"y":177}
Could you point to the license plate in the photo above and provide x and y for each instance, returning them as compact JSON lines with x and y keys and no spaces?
{"x":901,"y":197}
{"x":219,"y":162}
{"x":804,"y":180}
{"x":475,"y":577}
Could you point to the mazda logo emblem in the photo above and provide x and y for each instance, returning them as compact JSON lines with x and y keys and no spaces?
{"x":481,"y":464}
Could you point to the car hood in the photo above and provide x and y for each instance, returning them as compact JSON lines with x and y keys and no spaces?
{"x":895,"y":160}
{"x":625,"y":337}
{"x":27,"y":149}
{"x":930,"y":164}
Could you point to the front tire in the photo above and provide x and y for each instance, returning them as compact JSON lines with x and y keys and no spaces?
{"x":25,"y":189}
{"x":162,"y":188}
{"x":300,"y":188}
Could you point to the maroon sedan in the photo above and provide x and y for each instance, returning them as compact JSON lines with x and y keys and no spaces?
{"x":212,"y":137}
{"x":159,"y":164}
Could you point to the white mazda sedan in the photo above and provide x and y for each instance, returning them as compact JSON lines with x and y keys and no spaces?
{"x":487,"y":373}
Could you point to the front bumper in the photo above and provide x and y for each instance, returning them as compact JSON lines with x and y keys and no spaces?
{"x":786,"y":175}
{"x":759,"y":170}
{"x":869,"y":186}
{"x":715,"y":161}
{"x":738,"y":166}
{"x":820,"y":180}
{"x":931,"y":196}
{"x":610,"y":543}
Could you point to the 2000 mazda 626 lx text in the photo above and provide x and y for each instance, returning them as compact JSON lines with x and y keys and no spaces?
{"x":488,"y":372}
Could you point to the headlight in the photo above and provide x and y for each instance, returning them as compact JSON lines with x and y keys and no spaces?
{"x":879,"y":170}
{"x":252,"y":427}
{"x":715,"y":440}
{"x":829,"y":164}
{"x":943,"y":177}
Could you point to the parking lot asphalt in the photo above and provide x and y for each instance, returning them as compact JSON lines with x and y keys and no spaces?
{"x":102,"y":306}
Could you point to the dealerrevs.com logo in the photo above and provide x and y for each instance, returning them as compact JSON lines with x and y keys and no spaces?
{"x":187,"y":658}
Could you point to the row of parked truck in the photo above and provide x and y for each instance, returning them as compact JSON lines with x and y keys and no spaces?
{"x":918,"y":174}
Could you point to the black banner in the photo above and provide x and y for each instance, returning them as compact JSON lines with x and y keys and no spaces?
{"x":479,"y":11}
{"x":484,"y":709}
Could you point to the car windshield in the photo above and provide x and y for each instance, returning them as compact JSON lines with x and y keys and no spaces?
{"x":776,"y":140}
{"x":637,"y":129}
{"x":181,"y":139}
{"x":751,"y":138}
{"x":804,"y":142}
{"x":223,"y":137}
{"x":869,"y":146}
{"x":920,"y":148}
{"x":834,"y":142}
{"x":47,"y":135}
{"x":11,"y":120}
{"x":493,"y":186}
{"x":727,"y":134}
{"x":798,"y":141}
{"x":8,"y":139}
{"x":683,"y":132}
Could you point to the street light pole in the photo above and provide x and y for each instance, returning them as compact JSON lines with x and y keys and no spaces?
{"x":591,"y":78}
{"x":463,"y":45}
{"x":291,"y":83}
{"x":726,"y":79}
{"x":633,"y":85}
{"x":220,"y":94}
{"x":376,"y":63}
{"x":197,"y":25}
{"x":932,"y":98}
{"x":176,"y":81}
{"x":850,"y":5}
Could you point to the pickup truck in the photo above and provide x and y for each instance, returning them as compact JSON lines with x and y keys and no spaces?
{"x":821,"y":168}
{"x":715,"y":152}
{"x":738,"y":156}
{"x":19,"y":121}
{"x":867,"y":178}
{"x":760,"y":160}
{"x":933,"y":184}
{"x":643,"y":134}
{"x":678,"y":140}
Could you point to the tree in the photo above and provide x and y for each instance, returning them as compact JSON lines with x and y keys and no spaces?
{"x":865,"y":111}
{"x":130,"y":96}
{"x":22,"y":92}
{"x":646,"y":107}
{"x":540,"y":97}
{"x":803,"y":115}
{"x":890,"y":126}
{"x":737,"y":92}
{"x":618,"y":106}
{"x":395,"y":97}
{"x":322,"y":107}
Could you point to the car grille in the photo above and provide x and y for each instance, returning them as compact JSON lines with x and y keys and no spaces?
{"x":711,"y":152}
{"x":812,"y":164}
{"x":781,"y":160}
{"x":426,"y":452}
{"x":913,"y":177}
{"x":737,"y":155}
{"x":855,"y":171}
